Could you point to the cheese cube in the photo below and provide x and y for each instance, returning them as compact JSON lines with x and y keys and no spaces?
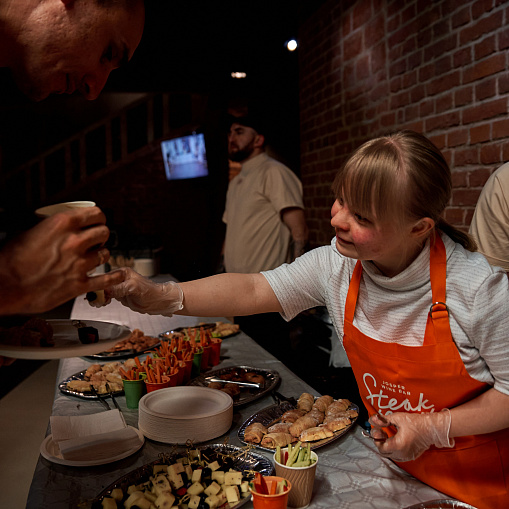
{"x":196,"y":477}
{"x":232,"y":494}
{"x":214,"y":465}
{"x":218,"y":476}
{"x":212,"y":489}
{"x":195,"y":489}
{"x":244,"y":487}
{"x":175,"y":468}
{"x":231,"y":478}
{"x":194,"y":502}
{"x":212,"y":501}
{"x":165,"y":501}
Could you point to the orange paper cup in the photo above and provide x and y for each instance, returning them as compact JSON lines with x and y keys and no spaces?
{"x":279,"y":501}
{"x":154,"y":386}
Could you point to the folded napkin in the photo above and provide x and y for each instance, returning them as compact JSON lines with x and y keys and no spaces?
{"x":91,"y":437}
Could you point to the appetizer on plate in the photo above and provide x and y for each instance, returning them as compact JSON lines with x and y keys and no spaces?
{"x":243,"y":383}
{"x":316,"y":420}
{"x":97,"y":375}
{"x":214,"y":476}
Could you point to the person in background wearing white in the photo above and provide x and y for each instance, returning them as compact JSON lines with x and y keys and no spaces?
{"x":423,"y":318}
{"x":490,"y":223}
{"x":265,"y":222}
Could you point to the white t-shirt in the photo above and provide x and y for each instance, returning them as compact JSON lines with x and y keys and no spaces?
{"x":256,"y":237}
{"x":395,"y":309}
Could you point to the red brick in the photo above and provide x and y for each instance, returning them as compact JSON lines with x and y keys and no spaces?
{"x":481,"y":7}
{"x":487,"y":67}
{"x":503,"y":39}
{"x":438,"y":141}
{"x":352,"y":45}
{"x":491,"y":154}
{"x":503,"y":83}
{"x":462,"y":197}
{"x":442,"y":121}
{"x":453,"y":215}
{"x":461,"y":17}
{"x":485,"y":47}
{"x":484,"y":26}
{"x":478,"y":177}
{"x":459,"y":178}
{"x":444,"y":103}
{"x":361,"y":14}
{"x":426,"y":107}
{"x":480,"y":133}
{"x":443,"y":83}
{"x":486,"y":110}
{"x":462,"y":57}
{"x":463,"y":96}
{"x":500,"y":129}
{"x":486,"y":89}
{"x":464,"y":157}
{"x":457,"y":137}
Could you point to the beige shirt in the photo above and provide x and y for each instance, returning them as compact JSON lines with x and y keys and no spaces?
{"x":256,"y":237}
{"x":490,"y":223}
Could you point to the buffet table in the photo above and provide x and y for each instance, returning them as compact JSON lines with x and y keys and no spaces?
{"x":350,"y":472}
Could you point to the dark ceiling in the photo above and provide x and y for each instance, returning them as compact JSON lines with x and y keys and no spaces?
{"x":186,"y":46}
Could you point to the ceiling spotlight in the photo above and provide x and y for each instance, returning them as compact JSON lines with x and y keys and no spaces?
{"x":291,"y":45}
{"x":238,"y":75}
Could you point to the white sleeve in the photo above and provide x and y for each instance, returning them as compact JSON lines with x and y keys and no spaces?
{"x":302,"y":284}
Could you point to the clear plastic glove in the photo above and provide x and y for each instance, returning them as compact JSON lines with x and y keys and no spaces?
{"x":144,"y":296}
{"x":415,"y":434}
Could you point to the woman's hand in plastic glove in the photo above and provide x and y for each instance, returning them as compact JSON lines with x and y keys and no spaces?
{"x":415,"y":433}
{"x":144,"y":296}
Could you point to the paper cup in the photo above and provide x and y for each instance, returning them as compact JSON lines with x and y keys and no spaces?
{"x":154,"y":386}
{"x":133,"y":390}
{"x":62,"y":207}
{"x":279,"y":501}
{"x":302,"y":479}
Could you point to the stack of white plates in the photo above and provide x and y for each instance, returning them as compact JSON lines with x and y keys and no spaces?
{"x":178,"y":414}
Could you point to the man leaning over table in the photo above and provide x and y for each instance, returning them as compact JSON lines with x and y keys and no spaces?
{"x":62,"y":47}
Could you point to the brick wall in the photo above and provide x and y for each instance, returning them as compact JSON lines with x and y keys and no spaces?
{"x":368,"y":67}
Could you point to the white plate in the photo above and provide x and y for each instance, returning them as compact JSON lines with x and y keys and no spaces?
{"x":178,"y":414}
{"x":183,"y":403}
{"x":51,"y":452}
{"x":67,"y":343}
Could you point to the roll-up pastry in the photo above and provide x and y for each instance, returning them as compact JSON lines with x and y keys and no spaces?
{"x":292,"y":415}
{"x":323,"y":402}
{"x":350,"y":413}
{"x":255,"y":432}
{"x":338,"y":405}
{"x":316,"y":433}
{"x":272,"y":440}
{"x":337,"y":424}
{"x":280,"y":427}
{"x":302,"y":423}
{"x":316,"y":414}
{"x":305,"y":401}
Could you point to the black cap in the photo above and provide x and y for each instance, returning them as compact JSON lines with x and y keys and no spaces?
{"x":252,"y":120}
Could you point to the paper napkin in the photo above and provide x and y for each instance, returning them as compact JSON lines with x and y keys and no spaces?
{"x":92,"y":437}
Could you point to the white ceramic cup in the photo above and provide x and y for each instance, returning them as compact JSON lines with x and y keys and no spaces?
{"x":49,"y":210}
{"x":145,"y":266}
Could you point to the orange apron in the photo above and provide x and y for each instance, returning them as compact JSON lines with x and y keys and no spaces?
{"x":396,"y":378}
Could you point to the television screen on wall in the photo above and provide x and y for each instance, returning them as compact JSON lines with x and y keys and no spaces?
{"x":185,"y":157}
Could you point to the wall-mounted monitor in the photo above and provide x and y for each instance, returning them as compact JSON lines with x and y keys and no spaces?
{"x":185,"y":157}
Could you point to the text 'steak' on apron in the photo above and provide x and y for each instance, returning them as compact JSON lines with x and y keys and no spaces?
{"x":397,"y":378}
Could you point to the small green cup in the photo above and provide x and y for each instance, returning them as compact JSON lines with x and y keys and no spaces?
{"x":133,"y":390}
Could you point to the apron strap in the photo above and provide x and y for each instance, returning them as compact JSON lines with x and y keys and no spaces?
{"x":438,"y":316}
{"x":353,"y":293}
